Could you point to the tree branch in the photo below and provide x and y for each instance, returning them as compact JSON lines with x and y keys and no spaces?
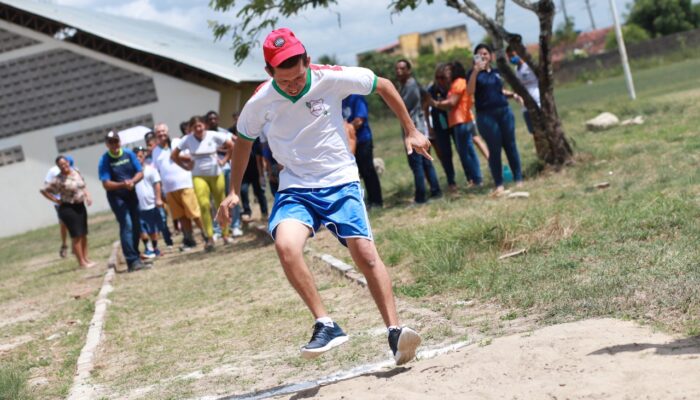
{"x":526,"y":4}
{"x":500,"y":11}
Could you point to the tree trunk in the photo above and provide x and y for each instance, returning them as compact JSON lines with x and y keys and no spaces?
{"x":551,"y":144}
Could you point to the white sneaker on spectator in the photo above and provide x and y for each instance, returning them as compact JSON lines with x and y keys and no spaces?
{"x":228,"y":240}
{"x":237,"y":232}
{"x":216,"y":237}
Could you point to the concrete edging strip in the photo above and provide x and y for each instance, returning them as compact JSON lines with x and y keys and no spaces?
{"x":338,"y":376}
{"x":81,"y":389}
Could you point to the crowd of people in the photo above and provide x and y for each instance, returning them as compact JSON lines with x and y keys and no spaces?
{"x":312,"y":155}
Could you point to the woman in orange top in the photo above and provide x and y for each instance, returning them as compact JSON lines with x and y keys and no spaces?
{"x":461,"y":120}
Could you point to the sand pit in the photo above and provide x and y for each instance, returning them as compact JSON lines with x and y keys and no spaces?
{"x":593,"y":359}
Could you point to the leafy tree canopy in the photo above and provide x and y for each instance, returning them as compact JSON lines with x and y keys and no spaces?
{"x":663,"y":17}
{"x":632,"y":34}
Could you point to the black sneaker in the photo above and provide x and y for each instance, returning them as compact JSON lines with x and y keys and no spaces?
{"x":403,"y":342}
{"x":136,"y":266}
{"x":323,"y":339}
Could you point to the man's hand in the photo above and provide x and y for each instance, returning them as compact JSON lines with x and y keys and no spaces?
{"x":416,"y":141}
{"x":129,"y":184}
{"x":159,"y":203}
{"x":223,"y":215}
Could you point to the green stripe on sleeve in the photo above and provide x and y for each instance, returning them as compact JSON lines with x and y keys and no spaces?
{"x":248,"y":138}
{"x":374,"y":85}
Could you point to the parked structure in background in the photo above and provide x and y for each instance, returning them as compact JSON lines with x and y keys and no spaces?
{"x":70,"y":75}
{"x":410,"y":45}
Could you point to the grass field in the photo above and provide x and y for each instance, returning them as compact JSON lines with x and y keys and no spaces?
{"x":230,"y":323}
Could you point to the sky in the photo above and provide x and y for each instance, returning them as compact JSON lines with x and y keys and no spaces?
{"x":352,"y":26}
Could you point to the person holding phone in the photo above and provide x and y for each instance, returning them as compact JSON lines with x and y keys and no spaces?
{"x":494,"y":117}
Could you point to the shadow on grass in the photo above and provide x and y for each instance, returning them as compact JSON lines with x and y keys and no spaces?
{"x":689,"y":345}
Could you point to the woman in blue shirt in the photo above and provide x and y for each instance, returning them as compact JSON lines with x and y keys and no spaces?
{"x":494,"y":117}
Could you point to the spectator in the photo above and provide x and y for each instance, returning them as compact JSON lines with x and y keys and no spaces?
{"x":528,"y":78}
{"x":461,"y":120}
{"x":207,"y":174}
{"x":271,"y":167}
{"x":151,"y":144}
{"x":439,"y":131}
{"x":356,"y":112}
{"x":120,"y":171}
{"x":494,"y":116}
{"x":254,"y":175}
{"x":148,"y":191}
{"x":320,"y":181}
{"x":212,"y":119}
{"x":68,"y":191}
{"x":421,"y":167}
{"x":184,"y":128}
{"x":178,"y":187}
{"x":63,"y":230}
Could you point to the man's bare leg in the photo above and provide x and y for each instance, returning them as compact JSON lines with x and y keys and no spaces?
{"x":364,"y":254}
{"x":290,"y":237}
{"x":404,"y":341}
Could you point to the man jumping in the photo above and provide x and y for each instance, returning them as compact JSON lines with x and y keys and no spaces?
{"x":299,"y":111}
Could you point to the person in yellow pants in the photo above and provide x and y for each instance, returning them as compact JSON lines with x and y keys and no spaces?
{"x":197,"y":152}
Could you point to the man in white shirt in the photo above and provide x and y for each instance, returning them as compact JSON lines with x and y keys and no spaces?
{"x":177,"y":186}
{"x":300,"y":111}
{"x":527,"y":77}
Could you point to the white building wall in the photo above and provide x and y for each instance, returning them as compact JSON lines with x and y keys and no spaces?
{"x":23,"y":206}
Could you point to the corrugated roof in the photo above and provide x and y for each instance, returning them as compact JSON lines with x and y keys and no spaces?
{"x":150,"y":37}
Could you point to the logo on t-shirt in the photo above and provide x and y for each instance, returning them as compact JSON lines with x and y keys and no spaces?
{"x":317,"y":107}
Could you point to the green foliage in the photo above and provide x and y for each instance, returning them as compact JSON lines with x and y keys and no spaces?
{"x":424,"y":66}
{"x":13,"y":383}
{"x":327,"y":59}
{"x":565,"y":33}
{"x":256,"y":17}
{"x":662,"y":17}
{"x":632,"y":34}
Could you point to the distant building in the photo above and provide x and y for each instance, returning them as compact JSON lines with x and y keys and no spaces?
{"x":586,"y":44}
{"x":69,"y":75}
{"x":410,"y":45}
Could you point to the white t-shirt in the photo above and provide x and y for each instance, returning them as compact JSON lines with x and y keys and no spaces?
{"x":528,"y":78}
{"x":173,"y":177}
{"x":145,"y":190}
{"x":206,"y":162}
{"x":306,"y":133}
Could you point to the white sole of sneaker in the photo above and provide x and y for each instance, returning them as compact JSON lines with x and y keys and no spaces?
{"x":406,"y":349}
{"x":309,"y":354}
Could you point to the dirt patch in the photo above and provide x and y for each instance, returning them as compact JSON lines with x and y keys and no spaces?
{"x":593,"y":359}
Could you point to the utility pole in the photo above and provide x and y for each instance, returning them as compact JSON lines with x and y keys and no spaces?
{"x":563,"y":9}
{"x":590,"y":13}
{"x":623,"y":51}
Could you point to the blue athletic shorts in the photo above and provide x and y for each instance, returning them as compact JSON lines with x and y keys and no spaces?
{"x":340,"y":208}
{"x":150,"y":220}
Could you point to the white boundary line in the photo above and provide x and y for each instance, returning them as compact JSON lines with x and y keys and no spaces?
{"x":338,"y":376}
{"x":81,"y":389}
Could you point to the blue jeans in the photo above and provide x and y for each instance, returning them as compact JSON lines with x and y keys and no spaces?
{"x":497,"y":127}
{"x":443,"y":139}
{"x":422,"y":168}
{"x":463,"y":134}
{"x":126,"y":209}
{"x":163,"y":227}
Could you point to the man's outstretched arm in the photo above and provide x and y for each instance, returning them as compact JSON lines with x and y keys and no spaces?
{"x":413,"y":139}
{"x":239,"y":162}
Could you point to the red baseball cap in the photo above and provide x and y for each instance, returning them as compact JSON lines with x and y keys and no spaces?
{"x":280,"y":45}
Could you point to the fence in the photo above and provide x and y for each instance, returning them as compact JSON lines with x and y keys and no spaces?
{"x":571,"y":70}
